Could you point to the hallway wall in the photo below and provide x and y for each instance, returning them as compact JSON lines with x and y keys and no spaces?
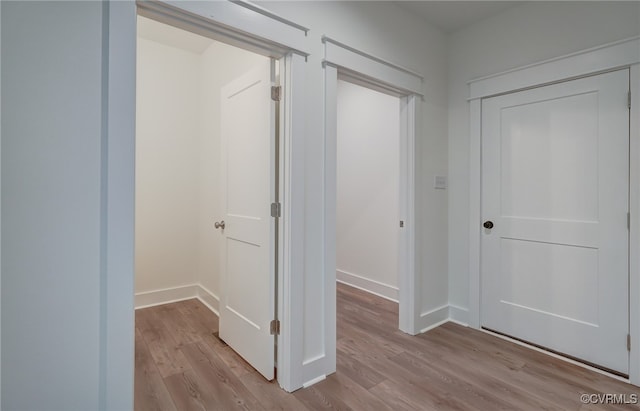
{"x":51,"y":298}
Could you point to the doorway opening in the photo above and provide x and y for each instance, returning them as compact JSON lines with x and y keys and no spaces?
{"x":363,"y":73}
{"x":206,"y":176}
{"x":367,"y":219}
{"x":368,"y":190}
{"x":358,"y":71}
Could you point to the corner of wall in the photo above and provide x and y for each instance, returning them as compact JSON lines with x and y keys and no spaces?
{"x":208,"y":298}
{"x":117,"y":282}
{"x":458,"y":315}
{"x":441,"y":315}
{"x":174,"y":294}
{"x":431,"y":319}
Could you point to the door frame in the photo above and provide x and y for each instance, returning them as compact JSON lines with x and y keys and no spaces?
{"x":612,"y":56}
{"x":242,"y":25}
{"x":346,"y":62}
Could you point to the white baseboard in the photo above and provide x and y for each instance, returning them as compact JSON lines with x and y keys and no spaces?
{"x":458,"y":315}
{"x":175,"y":294}
{"x":165,"y":296}
{"x":209,"y":299}
{"x":316,"y":368}
{"x":371,"y":286}
{"x":432,"y":319}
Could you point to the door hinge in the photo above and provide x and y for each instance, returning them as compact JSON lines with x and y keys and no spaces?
{"x":276,"y":93}
{"x":629,"y":99}
{"x":274,"y":327}
{"x":276,"y":210}
{"x":628,"y":342}
{"x":628,"y":221}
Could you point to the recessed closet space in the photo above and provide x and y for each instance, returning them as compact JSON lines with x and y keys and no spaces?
{"x":367,"y":205}
{"x":178,"y":162}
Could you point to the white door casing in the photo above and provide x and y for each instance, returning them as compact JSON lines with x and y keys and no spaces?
{"x":370,"y":71}
{"x":250,"y":28}
{"x":555,"y":184}
{"x":247,"y":286}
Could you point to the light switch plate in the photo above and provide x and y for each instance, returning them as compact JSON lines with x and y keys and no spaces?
{"x":440,"y":182}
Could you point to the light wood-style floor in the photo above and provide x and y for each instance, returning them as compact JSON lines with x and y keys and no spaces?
{"x":181,"y":365}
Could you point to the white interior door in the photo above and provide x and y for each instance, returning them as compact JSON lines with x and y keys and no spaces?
{"x":247,"y":283}
{"x":555,"y":185}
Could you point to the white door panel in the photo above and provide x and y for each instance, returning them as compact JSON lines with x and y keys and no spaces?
{"x":247,"y":283}
{"x":555,"y":184}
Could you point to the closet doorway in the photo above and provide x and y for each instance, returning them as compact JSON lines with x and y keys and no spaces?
{"x":368,"y":189}
{"x":206,"y":176}
{"x":367,"y":221}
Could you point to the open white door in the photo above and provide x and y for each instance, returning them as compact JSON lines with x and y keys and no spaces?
{"x":247,"y":283}
{"x":555,"y":197}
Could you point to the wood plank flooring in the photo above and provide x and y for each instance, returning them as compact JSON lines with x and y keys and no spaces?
{"x":181,"y":365}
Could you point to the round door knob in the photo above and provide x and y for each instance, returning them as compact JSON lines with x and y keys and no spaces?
{"x":488,"y":225}
{"x":219,"y":224}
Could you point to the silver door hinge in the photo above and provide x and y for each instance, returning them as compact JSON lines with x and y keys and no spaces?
{"x":629,"y":99}
{"x":276,"y":210}
{"x":274,"y":327}
{"x":628,"y":221}
{"x":276,"y":93}
{"x":628,"y":342}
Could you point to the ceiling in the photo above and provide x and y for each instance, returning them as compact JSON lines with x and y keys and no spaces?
{"x":453,"y":15}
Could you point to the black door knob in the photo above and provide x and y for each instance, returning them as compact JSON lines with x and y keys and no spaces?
{"x":488,"y":224}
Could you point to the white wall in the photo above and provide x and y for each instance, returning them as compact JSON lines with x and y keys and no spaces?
{"x":368,"y":154}
{"x":522,"y":35}
{"x":167,"y":166}
{"x":384,"y":30}
{"x":180,"y":76}
{"x":52,"y":112}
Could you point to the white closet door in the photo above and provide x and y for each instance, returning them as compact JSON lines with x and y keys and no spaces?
{"x":555,"y":186}
{"x":247,"y":297}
